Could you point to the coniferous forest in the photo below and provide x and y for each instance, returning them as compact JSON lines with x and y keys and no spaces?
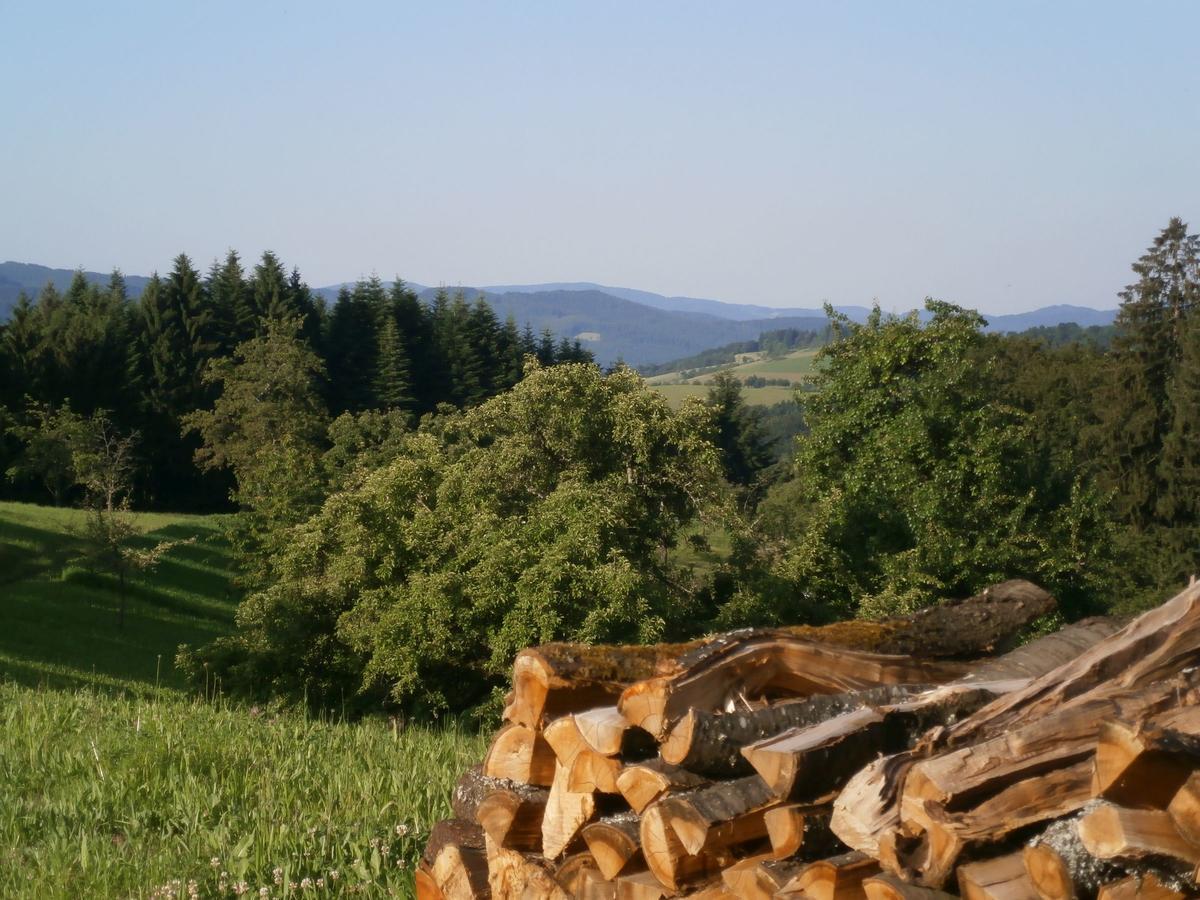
{"x":421,"y":490}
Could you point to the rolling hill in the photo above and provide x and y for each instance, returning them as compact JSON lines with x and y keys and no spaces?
{"x":639,"y":327}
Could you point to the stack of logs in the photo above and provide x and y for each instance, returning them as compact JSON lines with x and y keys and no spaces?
{"x":905,"y":759}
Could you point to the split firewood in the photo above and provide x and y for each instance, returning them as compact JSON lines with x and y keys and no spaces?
{"x":730,"y":812}
{"x":512,"y":815}
{"x":565,"y":814}
{"x":1146,"y":764}
{"x":606,"y":732}
{"x":1002,"y":878}
{"x":427,"y":888}
{"x":714,"y":890}
{"x":836,"y":878}
{"x":1141,"y":887}
{"x":520,"y":754}
{"x":512,"y":873}
{"x":615,"y":842}
{"x":556,"y":679}
{"x":930,"y":857}
{"x":456,"y":860}
{"x":759,"y":877}
{"x":710,"y":743}
{"x":671,"y":863}
{"x":1116,"y":832}
{"x":594,"y":886}
{"x":868,"y":807}
{"x":574,"y":871}
{"x":641,"y":886}
{"x":1156,"y":646}
{"x":769,"y":664}
{"x":587,"y":770}
{"x":785,"y":827}
{"x":645,"y":782}
{"x":1184,"y":809}
{"x":1061,"y":868}
{"x":886,"y":886}
{"x":470,"y":790}
{"x":801,"y":763}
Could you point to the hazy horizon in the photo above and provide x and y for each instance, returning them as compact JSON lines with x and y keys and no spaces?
{"x":1003,"y":158}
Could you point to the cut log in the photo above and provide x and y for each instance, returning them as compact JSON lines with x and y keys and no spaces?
{"x":1184,"y":809}
{"x":710,"y":743}
{"x":1140,"y":887}
{"x":646,"y":782}
{"x":512,"y":815}
{"x":973,"y":627}
{"x":769,"y":664}
{"x":1002,"y":878}
{"x":735,"y":809}
{"x":512,"y":873}
{"x":615,"y":842}
{"x":470,"y":789}
{"x":427,"y":888}
{"x":759,"y":877}
{"x":595,"y":887}
{"x":801,"y":763}
{"x":1060,"y":867}
{"x":1145,"y":765}
{"x":868,"y":807}
{"x":930,"y":858}
{"x":520,"y":754}
{"x":556,"y":679}
{"x":592,"y":772}
{"x":574,"y":872}
{"x":785,"y":827}
{"x":886,"y":886}
{"x":565,"y":814}
{"x":456,"y":860}
{"x":606,"y":732}
{"x":641,"y":886}
{"x":836,"y":878}
{"x":667,"y":859}
{"x":1115,"y":832}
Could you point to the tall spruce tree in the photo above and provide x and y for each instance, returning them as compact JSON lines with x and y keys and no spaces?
{"x":392,"y":374}
{"x":350,"y":351}
{"x":1135,"y":411}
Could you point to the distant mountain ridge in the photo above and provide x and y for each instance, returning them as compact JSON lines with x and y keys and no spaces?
{"x":640,"y":327}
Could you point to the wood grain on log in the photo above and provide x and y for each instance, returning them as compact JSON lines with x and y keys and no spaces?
{"x":1002,"y":878}
{"x":427,"y":888}
{"x":565,"y":814}
{"x":1117,"y":832}
{"x":512,"y":873}
{"x":456,"y":860}
{"x":769,"y":665}
{"x":615,"y":843}
{"x":886,"y":886}
{"x":735,"y":808}
{"x":512,"y":815}
{"x":1145,"y":764}
{"x":868,"y":807}
{"x":1184,"y":809}
{"x":1140,"y":887}
{"x":710,"y":743}
{"x":520,"y":754}
{"x":606,"y":732}
{"x":646,"y":782}
{"x":836,"y":878}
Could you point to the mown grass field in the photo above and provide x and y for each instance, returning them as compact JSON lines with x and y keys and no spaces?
{"x":796,"y":367}
{"x":119,"y":782}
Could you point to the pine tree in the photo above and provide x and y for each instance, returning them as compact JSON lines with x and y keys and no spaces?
{"x":545,"y":350}
{"x":269,"y":292}
{"x":232,"y":306}
{"x":414,"y":321}
{"x":1135,"y":412}
{"x":1179,"y":471}
{"x":392,"y":375}
{"x":350,"y":351}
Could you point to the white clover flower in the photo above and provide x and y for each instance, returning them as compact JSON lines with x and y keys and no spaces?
{"x":277,"y":876}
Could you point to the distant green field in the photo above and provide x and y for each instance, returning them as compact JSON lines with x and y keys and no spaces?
{"x":796,"y":367}
{"x":119,"y":782}
{"x":765,"y":396}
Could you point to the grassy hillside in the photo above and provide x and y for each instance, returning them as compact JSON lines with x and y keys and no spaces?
{"x":61,"y":621}
{"x":121,"y":783}
{"x":794,"y":367}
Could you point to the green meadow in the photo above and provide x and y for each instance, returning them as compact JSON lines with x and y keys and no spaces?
{"x":795,"y":367}
{"x":121,"y":782}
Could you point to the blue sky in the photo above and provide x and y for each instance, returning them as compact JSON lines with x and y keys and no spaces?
{"x":1004,"y":156}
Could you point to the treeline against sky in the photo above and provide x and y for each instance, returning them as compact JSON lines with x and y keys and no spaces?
{"x":143,"y":361}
